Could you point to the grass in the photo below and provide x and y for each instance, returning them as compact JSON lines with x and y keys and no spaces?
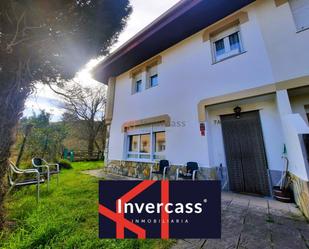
{"x":66,"y":216}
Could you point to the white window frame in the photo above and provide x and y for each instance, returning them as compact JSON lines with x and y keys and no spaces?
{"x":142,"y":131}
{"x":137,"y":77}
{"x":225,"y":36}
{"x":152,"y":71}
{"x":150,"y":85}
{"x":159,"y":154}
{"x":141,"y":84}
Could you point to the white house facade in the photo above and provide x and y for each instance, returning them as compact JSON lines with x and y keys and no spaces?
{"x":221,"y":83}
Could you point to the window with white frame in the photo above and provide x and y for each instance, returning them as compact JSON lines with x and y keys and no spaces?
{"x":226,"y":44}
{"x":152,"y":76}
{"x":138,"y":86}
{"x":300,"y":11}
{"x":146,"y":144}
{"x":137,"y":83}
{"x":159,"y":145}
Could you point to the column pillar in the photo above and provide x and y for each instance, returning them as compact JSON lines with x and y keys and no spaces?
{"x":293,"y":127}
{"x":109,"y":111}
{"x":283,"y":102}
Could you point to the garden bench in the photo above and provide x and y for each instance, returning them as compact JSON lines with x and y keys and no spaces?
{"x":30,"y":177}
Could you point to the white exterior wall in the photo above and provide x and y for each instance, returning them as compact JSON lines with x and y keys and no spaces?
{"x":187,"y":75}
{"x":293,"y":126}
{"x":271,"y":127}
{"x":287,"y":49}
{"x":298,"y":104}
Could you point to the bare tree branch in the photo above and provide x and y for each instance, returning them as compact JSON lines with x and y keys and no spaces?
{"x":86,"y":105}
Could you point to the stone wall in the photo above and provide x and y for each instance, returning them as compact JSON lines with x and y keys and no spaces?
{"x":301,"y":194}
{"x":141,"y":170}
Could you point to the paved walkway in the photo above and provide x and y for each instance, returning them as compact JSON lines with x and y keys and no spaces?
{"x":256,"y":223}
{"x":249,"y":223}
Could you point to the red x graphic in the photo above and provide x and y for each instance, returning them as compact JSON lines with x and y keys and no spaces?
{"x":122,"y":223}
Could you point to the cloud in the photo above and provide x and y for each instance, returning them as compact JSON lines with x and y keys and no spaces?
{"x":39,"y":101}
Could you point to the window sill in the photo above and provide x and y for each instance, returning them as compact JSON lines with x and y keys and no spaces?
{"x":136,"y":93}
{"x":139,"y":160}
{"x":229,"y":57}
{"x":302,"y":30}
{"x":151,"y":87}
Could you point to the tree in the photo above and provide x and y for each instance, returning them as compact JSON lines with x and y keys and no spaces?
{"x":44,"y":140}
{"x":85,"y":105}
{"x":48,"y":41}
{"x":27,"y":130}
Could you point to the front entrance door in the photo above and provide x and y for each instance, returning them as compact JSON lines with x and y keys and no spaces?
{"x":245,"y":153}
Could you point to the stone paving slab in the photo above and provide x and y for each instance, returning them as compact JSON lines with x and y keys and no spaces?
{"x":248,"y":222}
{"x":257,"y":223}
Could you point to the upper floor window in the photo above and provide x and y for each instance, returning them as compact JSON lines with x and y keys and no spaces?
{"x":145,"y":75}
{"x":154,"y":80}
{"x":152,"y":76}
{"x":137,"y":83}
{"x":226,"y":44}
{"x":138,"y":86}
{"x":300,"y":11}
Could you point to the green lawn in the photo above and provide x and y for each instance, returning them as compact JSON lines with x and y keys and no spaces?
{"x":66,"y":216}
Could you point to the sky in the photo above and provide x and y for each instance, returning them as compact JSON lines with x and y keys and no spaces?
{"x":144,"y":12}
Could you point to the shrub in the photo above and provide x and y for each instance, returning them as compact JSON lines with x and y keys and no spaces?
{"x":65,"y":164}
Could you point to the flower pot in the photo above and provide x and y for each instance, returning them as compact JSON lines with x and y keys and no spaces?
{"x":282,"y":195}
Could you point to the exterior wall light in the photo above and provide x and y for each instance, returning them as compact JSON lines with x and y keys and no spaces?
{"x":237,"y":111}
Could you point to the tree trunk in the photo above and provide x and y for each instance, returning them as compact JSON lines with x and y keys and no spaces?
{"x":22,"y":148}
{"x":12,"y":100}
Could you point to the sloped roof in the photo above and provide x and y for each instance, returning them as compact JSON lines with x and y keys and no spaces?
{"x":181,"y":21}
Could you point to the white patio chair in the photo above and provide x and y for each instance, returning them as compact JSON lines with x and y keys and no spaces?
{"x":46,"y":169}
{"x":32,"y":177}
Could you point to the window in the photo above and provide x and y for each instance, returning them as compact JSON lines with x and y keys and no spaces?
{"x":145,"y":76}
{"x":138,"y":86}
{"x":148,"y":146}
{"x":159,"y":145}
{"x":226,"y":44}
{"x":139,"y":146}
{"x":154,"y":80}
{"x":152,"y":76}
{"x":145,"y":144}
{"x":137,"y":83}
{"x":300,"y":11}
{"x":133,"y":144}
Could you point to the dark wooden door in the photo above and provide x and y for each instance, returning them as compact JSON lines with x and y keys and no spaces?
{"x":245,"y":153}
